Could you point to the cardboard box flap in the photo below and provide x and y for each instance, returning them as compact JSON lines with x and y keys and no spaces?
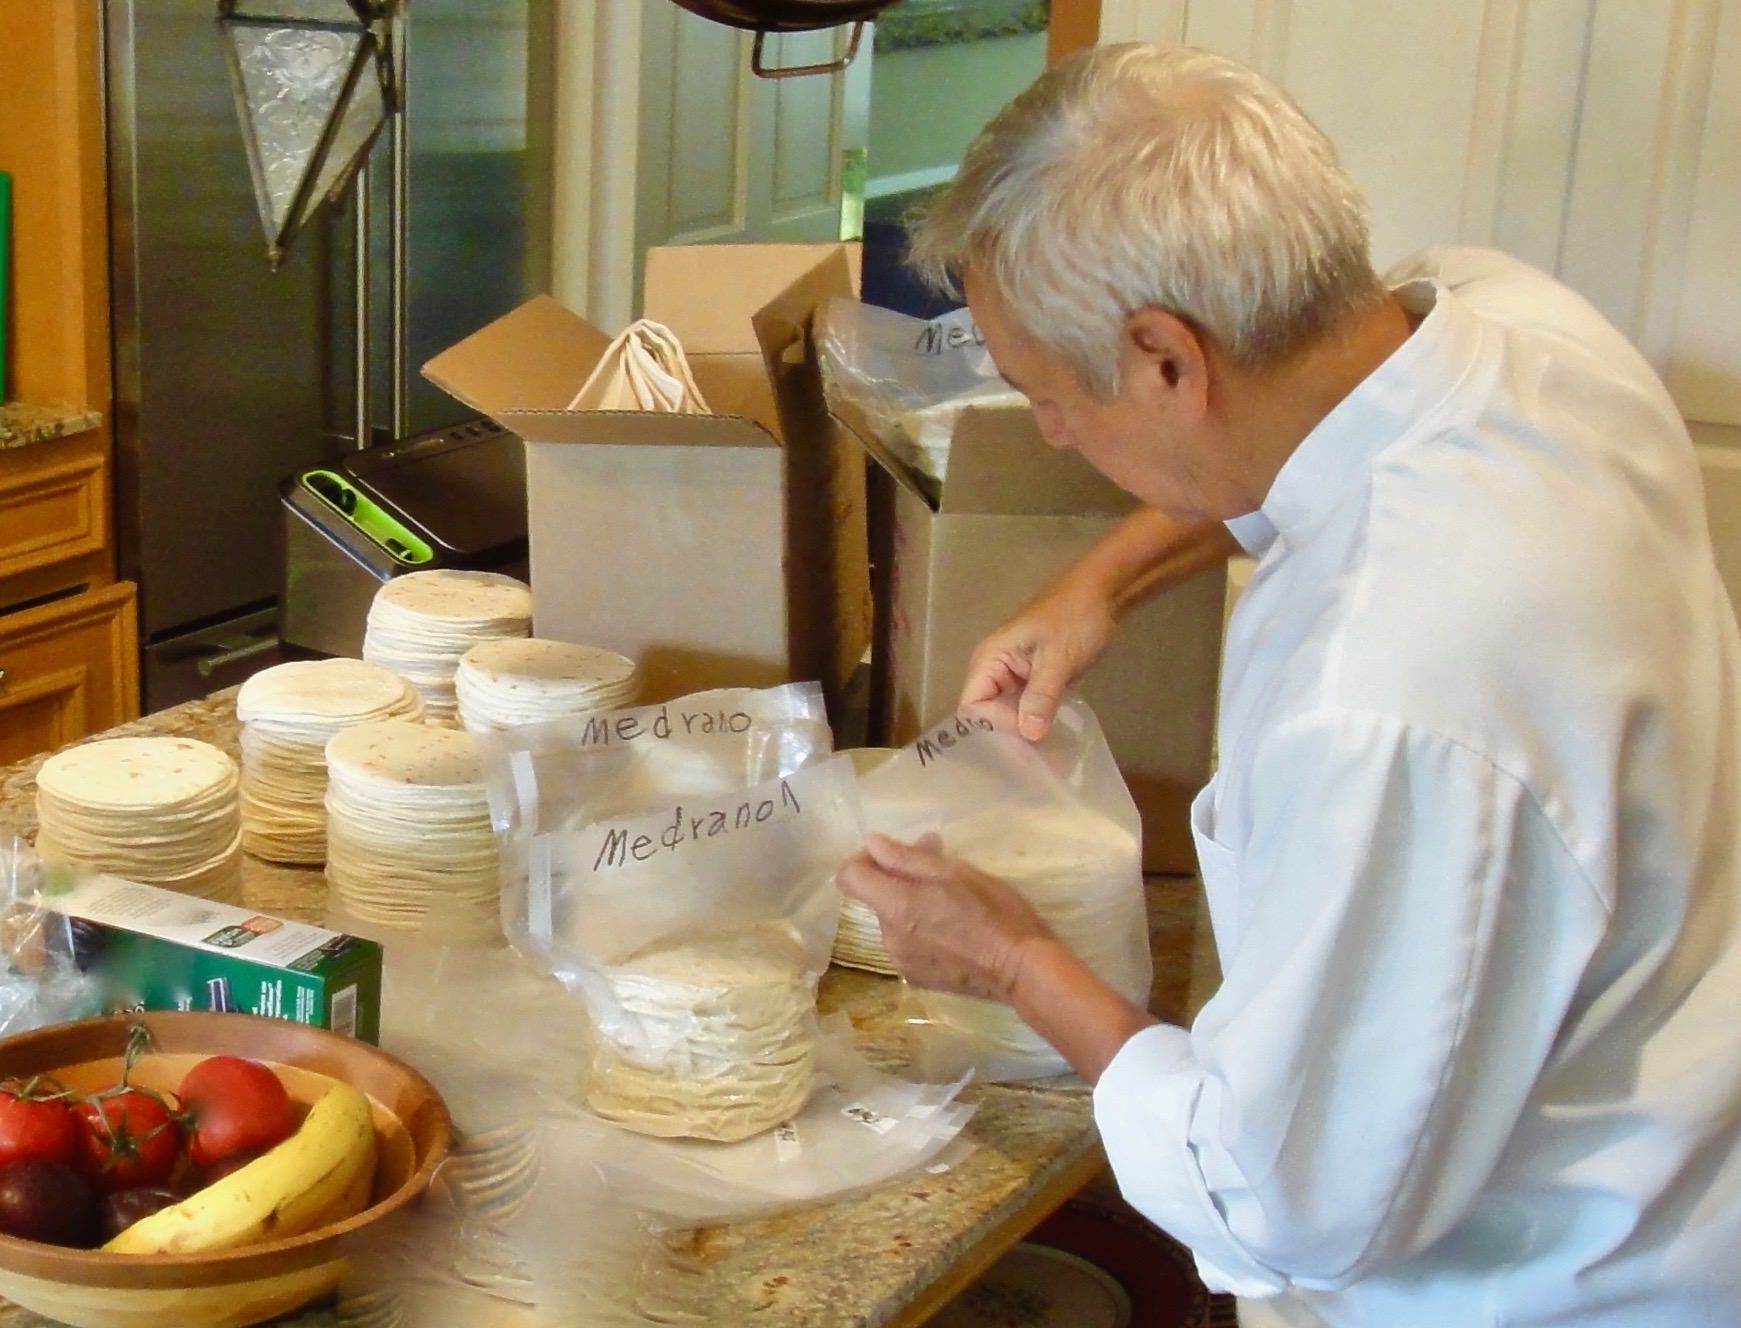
{"x":683,"y":289}
{"x":635,"y":428}
{"x":850,"y":416}
{"x":1000,"y":465}
{"x":535,"y":358}
{"x":781,"y":323}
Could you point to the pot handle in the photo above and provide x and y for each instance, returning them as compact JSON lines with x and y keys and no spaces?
{"x":796,"y":71}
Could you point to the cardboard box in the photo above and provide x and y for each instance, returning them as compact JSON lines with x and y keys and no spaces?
{"x":966,"y":554}
{"x":718,"y":550}
{"x":154,"y":949}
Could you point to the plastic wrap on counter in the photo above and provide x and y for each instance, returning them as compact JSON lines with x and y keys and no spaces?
{"x":41,"y":982}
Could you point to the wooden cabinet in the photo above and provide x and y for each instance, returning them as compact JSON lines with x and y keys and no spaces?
{"x":67,"y":668}
{"x":54,"y":517}
{"x":68,"y":635}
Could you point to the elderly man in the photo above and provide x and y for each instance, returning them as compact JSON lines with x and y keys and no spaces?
{"x":1471,"y":853}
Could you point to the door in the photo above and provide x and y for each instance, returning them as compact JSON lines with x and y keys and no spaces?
{"x":727,"y":156}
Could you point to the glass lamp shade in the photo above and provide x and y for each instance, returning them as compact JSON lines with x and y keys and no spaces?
{"x":313,"y":88}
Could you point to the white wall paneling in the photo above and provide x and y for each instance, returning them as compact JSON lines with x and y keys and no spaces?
{"x":596,"y":111}
{"x":1704,"y":362}
{"x":1599,"y":139}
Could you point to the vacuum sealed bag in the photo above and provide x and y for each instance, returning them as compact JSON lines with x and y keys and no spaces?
{"x":695,"y":934}
{"x":579,"y":771}
{"x":1052,"y":818}
{"x":911,"y":378}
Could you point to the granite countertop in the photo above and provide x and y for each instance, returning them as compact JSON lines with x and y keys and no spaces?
{"x":22,"y":425}
{"x":864,"y":1261}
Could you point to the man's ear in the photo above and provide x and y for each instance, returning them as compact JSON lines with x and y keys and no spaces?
{"x":1163,"y":354}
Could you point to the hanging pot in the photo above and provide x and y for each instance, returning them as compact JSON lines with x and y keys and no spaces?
{"x":764,"y":16}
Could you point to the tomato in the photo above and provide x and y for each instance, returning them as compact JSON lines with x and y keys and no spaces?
{"x":129,"y":1140}
{"x":34,"y":1129}
{"x":236,"y":1105}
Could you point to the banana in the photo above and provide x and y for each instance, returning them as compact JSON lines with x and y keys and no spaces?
{"x":320,"y":1174}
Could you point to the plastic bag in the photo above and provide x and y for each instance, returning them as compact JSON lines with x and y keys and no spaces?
{"x":911,"y":378}
{"x":41,"y":981}
{"x":618,"y":763}
{"x":1052,"y":818}
{"x":696,"y":935}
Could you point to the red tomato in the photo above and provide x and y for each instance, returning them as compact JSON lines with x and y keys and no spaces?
{"x":129,"y":1140}
{"x":236,"y":1105}
{"x":36,"y":1129}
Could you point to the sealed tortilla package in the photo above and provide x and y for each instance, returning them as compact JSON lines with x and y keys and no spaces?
{"x":696,"y":935}
{"x":1052,"y":818}
{"x":581,"y":770}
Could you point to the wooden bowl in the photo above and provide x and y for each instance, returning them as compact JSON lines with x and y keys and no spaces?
{"x":96,"y":1289}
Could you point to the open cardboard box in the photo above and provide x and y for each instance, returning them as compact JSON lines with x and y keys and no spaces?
{"x":964,"y":555}
{"x":722,"y":550}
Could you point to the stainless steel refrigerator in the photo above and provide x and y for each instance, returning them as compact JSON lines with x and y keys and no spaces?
{"x":229,"y":375}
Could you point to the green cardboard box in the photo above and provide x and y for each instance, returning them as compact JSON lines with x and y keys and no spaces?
{"x":154,"y":949}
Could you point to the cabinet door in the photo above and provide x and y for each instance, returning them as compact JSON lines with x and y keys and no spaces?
{"x":67,"y":670}
{"x":1594,"y":140}
{"x":54,"y":516}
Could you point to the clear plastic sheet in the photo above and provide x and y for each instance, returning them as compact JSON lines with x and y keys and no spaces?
{"x":546,"y":1215}
{"x":910,"y":377}
{"x":1052,"y":818}
{"x":41,"y":981}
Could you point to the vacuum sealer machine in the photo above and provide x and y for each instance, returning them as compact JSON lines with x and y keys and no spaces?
{"x":452,"y":498}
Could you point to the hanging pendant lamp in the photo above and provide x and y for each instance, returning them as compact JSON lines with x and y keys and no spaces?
{"x":313,"y":81}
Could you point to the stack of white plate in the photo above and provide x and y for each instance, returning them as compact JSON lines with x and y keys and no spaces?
{"x":525,"y":680}
{"x":164,"y":811}
{"x":288,"y":714}
{"x":420,"y":624}
{"x":409,"y":843}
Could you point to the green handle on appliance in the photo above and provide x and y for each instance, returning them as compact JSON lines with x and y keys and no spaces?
{"x":366,"y":515}
{"x":5,"y":249}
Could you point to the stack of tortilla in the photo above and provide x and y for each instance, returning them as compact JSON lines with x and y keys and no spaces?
{"x":288,"y":714}
{"x":525,"y":680}
{"x":409,"y":843}
{"x":1083,"y":875}
{"x":706,"y":1037}
{"x":420,"y":624}
{"x":858,"y":942}
{"x":164,"y":811}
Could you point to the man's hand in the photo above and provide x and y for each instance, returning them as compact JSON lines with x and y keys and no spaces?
{"x":946,"y":924}
{"x":951,"y":927}
{"x":1041,"y":651}
{"x":1063,"y":630}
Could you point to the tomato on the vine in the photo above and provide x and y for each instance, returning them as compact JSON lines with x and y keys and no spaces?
{"x":130,"y":1139}
{"x":36,"y":1128}
{"x":234,"y":1105}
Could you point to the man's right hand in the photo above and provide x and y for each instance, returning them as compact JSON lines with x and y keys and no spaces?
{"x":1064,"y":629}
{"x":1045,"y":648}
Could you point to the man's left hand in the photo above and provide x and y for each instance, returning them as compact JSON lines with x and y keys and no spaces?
{"x":945,"y":924}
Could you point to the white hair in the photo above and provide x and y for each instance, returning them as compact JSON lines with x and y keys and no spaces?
{"x":1146,"y":176}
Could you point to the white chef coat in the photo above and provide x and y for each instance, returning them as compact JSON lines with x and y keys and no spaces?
{"x":1471,"y":858}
